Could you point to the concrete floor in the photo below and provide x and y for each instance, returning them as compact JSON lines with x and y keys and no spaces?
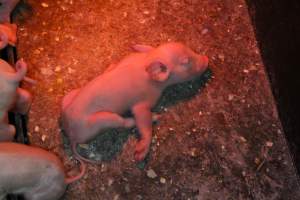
{"x":224,"y":141}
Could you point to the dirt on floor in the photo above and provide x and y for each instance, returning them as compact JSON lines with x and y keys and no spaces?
{"x":219,"y":137}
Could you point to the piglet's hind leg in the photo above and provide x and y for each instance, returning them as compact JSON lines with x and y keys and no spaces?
{"x":104,"y":120}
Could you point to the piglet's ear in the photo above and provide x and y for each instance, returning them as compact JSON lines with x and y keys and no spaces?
{"x":142,"y":48}
{"x":158,"y":71}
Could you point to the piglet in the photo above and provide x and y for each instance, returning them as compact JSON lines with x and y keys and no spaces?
{"x":33,"y":172}
{"x":134,"y":84}
{"x":12,"y":96}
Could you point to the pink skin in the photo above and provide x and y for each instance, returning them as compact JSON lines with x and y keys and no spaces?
{"x":12,"y":98}
{"x":134,"y":84}
{"x":10,"y":34}
{"x":6,"y":28}
{"x":6,"y":8}
{"x":33,"y":172}
{"x":3,"y":39}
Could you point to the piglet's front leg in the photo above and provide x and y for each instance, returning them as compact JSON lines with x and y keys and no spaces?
{"x":143,"y":119}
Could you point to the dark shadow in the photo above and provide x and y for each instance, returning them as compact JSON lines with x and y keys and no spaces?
{"x":15,"y":197}
{"x":106,"y":145}
{"x":277,"y":28}
{"x":182,"y":91}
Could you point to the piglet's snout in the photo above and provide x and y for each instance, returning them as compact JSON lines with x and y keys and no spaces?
{"x":202,"y":63}
{"x":205,"y":60}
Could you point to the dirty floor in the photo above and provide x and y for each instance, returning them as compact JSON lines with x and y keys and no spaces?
{"x":219,"y":137}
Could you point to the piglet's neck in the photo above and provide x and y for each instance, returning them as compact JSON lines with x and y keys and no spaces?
{"x":158,"y":86}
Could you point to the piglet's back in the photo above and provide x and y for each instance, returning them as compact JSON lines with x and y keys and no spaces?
{"x":21,"y":164}
{"x":31,"y":171}
{"x":23,"y":151}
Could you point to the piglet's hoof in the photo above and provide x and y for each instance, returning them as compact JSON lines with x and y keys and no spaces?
{"x":141,"y":150}
{"x":155,"y":118}
{"x":129,"y":123}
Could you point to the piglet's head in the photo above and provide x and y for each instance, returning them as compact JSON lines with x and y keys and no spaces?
{"x":173,"y":63}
